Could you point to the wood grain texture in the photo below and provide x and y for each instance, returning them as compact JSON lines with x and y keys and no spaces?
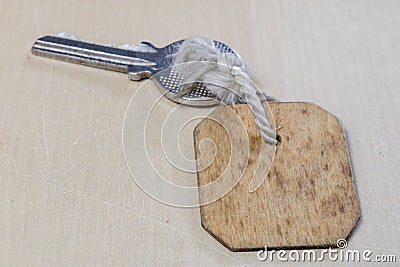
{"x":66,"y":196}
{"x":308,"y":198}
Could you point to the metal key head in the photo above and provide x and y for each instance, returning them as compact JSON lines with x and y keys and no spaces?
{"x":169,"y":80}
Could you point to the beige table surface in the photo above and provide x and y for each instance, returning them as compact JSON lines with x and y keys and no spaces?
{"x":66,"y":195}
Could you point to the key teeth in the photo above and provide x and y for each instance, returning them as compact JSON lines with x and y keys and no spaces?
{"x":149,"y":44}
{"x":66,"y":35}
{"x":138,"y":48}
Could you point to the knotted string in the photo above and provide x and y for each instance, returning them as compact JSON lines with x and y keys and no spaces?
{"x":225,"y":76}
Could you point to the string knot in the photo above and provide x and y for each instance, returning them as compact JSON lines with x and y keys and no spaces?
{"x":230,"y":82}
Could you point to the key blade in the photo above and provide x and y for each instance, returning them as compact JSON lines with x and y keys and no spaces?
{"x":89,"y":54}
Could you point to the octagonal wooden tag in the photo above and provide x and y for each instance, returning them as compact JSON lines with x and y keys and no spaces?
{"x":308,"y":198}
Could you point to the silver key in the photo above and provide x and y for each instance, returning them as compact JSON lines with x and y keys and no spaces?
{"x":138,"y":64}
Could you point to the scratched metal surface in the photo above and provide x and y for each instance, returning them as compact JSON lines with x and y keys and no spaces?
{"x":66,"y":196}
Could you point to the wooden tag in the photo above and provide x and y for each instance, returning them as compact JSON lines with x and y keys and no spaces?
{"x":308,"y":198}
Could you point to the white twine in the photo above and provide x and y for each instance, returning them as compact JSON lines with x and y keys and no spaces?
{"x":230,"y":81}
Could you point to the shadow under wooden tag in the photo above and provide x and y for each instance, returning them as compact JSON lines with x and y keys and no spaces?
{"x":308,"y":198}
